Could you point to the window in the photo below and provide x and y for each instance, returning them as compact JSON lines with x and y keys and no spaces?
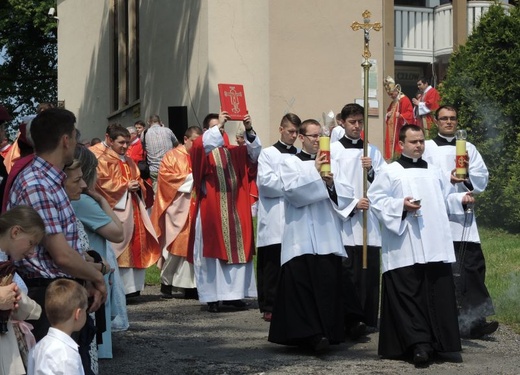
{"x":124,"y":53}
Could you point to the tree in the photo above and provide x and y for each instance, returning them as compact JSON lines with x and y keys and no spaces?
{"x":482,"y":82}
{"x":28,"y":44}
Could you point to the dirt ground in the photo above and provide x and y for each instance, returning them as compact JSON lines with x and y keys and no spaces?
{"x":180,"y":337}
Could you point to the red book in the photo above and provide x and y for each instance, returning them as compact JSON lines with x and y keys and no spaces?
{"x":233,"y":100}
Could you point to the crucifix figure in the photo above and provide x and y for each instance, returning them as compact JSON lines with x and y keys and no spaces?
{"x":234,"y":98}
{"x":366,"y":26}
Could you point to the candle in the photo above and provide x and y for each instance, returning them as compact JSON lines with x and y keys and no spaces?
{"x":325,"y":149}
{"x":460,"y":158}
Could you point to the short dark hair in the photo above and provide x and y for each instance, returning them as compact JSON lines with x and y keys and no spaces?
{"x":405,"y":128}
{"x":140,"y":122}
{"x":446,"y":107}
{"x":351,"y":109}
{"x":208,"y":118}
{"x":424,"y":80}
{"x":49,"y":126}
{"x":290,"y":118}
{"x":117,"y":130}
{"x":303,"y":127}
{"x":192,"y":129}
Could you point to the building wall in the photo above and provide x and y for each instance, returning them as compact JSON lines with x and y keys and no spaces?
{"x":316,"y":57}
{"x":293,"y":55}
{"x":84,"y":64}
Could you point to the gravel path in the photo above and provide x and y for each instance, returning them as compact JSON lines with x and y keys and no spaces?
{"x":180,"y":337}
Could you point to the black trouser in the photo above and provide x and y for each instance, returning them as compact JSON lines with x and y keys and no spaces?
{"x":473,"y":298}
{"x":267,"y":272}
{"x":366,"y":281}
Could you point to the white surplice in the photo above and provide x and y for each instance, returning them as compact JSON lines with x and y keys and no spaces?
{"x":463,"y":226}
{"x":414,"y":239}
{"x":346,"y":166}
{"x":270,"y":217}
{"x":311,"y":224}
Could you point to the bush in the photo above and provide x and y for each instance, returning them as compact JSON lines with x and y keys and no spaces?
{"x":482,"y":83}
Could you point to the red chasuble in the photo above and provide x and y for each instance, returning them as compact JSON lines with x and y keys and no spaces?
{"x":431,"y":99}
{"x":225,"y":207}
{"x":142,"y":250}
{"x":175,"y":167}
{"x":404,"y":107}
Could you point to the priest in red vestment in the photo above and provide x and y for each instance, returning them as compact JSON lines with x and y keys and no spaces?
{"x":426,"y":105}
{"x":399,"y":113}
{"x":120,"y":183}
{"x":222,"y":230}
{"x":135,"y":148}
{"x":171,"y":217}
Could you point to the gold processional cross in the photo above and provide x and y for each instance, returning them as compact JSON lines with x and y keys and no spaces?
{"x":366,"y":26}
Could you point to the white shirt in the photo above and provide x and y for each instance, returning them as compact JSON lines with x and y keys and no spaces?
{"x":56,"y":354}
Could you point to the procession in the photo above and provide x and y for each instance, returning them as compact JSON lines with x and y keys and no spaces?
{"x":225,"y":239}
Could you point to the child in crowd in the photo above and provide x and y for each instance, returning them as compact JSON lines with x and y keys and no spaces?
{"x":20,"y":230}
{"x":66,"y":304}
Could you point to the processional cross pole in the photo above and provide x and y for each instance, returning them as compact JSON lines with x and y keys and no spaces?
{"x":366,"y":26}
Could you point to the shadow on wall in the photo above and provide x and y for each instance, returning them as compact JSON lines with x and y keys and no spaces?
{"x":171,"y":71}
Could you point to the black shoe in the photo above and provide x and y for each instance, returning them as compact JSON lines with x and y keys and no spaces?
{"x":422,"y":354}
{"x":166,"y":296}
{"x":356,"y":330}
{"x":237,"y":303}
{"x":319,"y":343}
{"x":213,"y":307}
{"x":483,"y":328}
{"x":191,"y":293}
{"x":166,"y":289}
{"x":133,"y":294}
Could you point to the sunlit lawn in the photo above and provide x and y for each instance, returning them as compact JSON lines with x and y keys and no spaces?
{"x":502,"y":252}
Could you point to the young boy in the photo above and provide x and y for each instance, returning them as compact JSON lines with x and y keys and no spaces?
{"x":66,"y":304}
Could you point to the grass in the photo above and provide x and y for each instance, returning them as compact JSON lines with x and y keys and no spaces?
{"x":502,"y":252}
{"x":153,"y":276}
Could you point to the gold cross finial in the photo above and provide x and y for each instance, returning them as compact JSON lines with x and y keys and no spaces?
{"x":366,"y":26}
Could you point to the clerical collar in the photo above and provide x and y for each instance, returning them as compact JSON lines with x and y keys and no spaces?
{"x":351,"y":143}
{"x":407,"y":162}
{"x":441,"y":140}
{"x":284,"y":148}
{"x":305,"y":156}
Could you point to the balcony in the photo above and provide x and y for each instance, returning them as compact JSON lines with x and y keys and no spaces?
{"x":424,"y":34}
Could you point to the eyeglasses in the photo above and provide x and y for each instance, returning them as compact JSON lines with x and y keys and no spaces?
{"x":446,"y":118}
{"x":311,"y":136}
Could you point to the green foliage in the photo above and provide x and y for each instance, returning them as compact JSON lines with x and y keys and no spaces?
{"x":28,"y":44}
{"x":482,"y":83}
